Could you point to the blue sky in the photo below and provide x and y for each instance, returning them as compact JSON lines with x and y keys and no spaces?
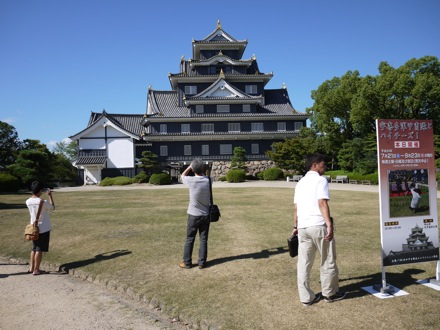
{"x":61,"y":60}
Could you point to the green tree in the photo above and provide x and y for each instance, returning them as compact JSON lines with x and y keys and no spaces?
{"x":330,"y":113}
{"x":10,"y":144}
{"x":238,"y":160}
{"x":148,"y":162}
{"x":61,"y":169}
{"x":67,"y":149}
{"x":359,"y":155}
{"x":32,"y":165}
{"x":290,"y":154}
{"x":437,"y":150}
{"x":346,"y":108}
{"x":411,"y":91}
{"x":30,"y":144}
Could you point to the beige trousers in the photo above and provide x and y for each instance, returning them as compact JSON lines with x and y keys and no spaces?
{"x":311,"y":239}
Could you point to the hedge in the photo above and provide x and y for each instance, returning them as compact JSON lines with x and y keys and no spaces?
{"x":236,"y":176}
{"x":159,"y":179}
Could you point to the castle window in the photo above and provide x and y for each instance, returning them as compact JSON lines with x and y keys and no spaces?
{"x":163,"y":128}
{"x":164,"y":150}
{"x":190,"y":90}
{"x":185,"y":128}
{"x":212,"y":69}
{"x":251,"y":89}
{"x":257,"y":127}
{"x":281,"y":126}
{"x":207,"y":128}
{"x":205,"y":149}
{"x":298,"y":125}
{"x":246,"y":108}
{"x":187,"y":150}
{"x":233,"y":127}
{"x":225,"y":149}
{"x":223,"y":108}
{"x":200,"y":108}
{"x":255,"y":148}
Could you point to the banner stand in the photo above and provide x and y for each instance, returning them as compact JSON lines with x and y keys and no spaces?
{"x":384,"y":288}
{"x":437,"y":276}
{"x":407,"y":198}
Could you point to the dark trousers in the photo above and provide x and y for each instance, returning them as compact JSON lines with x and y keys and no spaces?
{"x":196,"y":224}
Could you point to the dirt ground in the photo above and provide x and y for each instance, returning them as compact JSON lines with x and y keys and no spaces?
{"x":60,"y":301}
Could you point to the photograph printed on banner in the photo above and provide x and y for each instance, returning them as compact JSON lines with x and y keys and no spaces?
{"x":413,"y":241}
{"x":408,"y":193}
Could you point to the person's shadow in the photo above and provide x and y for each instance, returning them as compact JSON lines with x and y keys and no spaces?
{"x":263,"y":254}
{"x":65,"y":268}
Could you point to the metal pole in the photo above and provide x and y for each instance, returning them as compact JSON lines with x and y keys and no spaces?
{"x":437,"y":275}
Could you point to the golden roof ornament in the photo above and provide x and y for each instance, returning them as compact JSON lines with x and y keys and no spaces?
{"x":219,"y":25}
{"x":222,"y":74}
{"x":284,"y":86}
{"x":150,"y":87}
{"x":182,"y":58}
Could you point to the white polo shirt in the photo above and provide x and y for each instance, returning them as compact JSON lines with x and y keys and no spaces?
{"x":309,"y":190}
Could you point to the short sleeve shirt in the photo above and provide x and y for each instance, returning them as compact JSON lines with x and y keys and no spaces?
{"x":44,"y":221}
{"x":199,"y":194}
{"x":309,"y":190}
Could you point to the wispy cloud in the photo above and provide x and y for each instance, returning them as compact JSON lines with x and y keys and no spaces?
{"x":9,"y":120}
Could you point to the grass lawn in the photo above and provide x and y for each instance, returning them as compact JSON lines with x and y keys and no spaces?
{"x":132,"y":241}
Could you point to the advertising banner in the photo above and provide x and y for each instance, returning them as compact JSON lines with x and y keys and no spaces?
{"x":407,"y":191}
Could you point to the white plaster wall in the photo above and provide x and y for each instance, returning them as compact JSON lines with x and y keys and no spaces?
{"x":120,"y":152}
{"x":113,"y":132}
{"x":98,"y":131}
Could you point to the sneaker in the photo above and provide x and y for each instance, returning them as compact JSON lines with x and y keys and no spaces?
{"x":310,"y":303}
{"x":337,"y":296}
{"x":183,"y":265}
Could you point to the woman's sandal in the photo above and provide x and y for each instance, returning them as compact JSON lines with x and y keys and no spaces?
{"x":40,"y":272}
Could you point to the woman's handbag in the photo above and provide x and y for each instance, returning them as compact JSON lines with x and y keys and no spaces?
{"x":214,"y":211}
{"x":31,"y":232}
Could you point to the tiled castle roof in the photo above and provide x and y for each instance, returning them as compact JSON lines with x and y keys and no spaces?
{"x":165,"y":104}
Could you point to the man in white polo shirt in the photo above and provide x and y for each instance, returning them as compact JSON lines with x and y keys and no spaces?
{"x":314,"y":227}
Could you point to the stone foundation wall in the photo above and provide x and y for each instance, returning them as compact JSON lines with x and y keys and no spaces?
{"x":220,"y":169}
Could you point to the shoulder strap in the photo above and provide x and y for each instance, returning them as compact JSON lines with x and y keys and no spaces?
{"x":39,"y":211}
{"x":210,"y":190}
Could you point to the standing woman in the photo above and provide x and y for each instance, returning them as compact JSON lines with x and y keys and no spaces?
{"x":42,"y":244}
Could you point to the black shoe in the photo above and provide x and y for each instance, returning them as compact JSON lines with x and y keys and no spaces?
{"x":310,"y":303}
{"x":337,"y":296}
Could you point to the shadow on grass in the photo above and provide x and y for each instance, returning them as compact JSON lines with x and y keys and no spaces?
{"x":398,"y":280}
{"x":263,"y":254}
{"x":12,"y":206}
{"x":98,"y":258}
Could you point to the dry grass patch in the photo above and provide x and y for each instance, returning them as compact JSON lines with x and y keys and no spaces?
{"x":134,"y":240}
